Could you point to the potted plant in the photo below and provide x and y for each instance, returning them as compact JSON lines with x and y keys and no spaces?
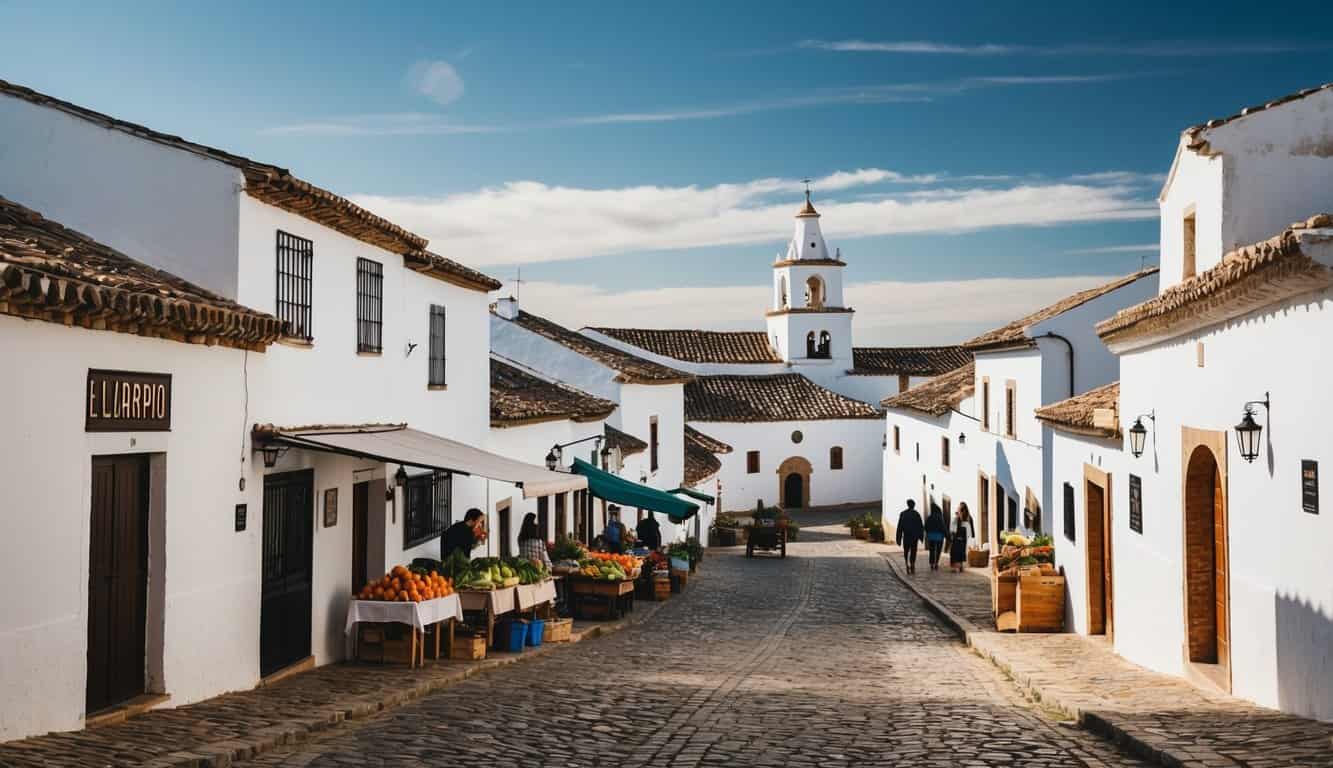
{"x":793,"y":530}
{"x":876,"y":532}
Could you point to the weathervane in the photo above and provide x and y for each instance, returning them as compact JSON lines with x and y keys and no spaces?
{"x":806,"y":182}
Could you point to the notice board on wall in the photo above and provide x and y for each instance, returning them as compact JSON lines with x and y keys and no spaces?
{"x":1135,"y":504}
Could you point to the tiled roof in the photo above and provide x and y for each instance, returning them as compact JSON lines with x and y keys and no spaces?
{"x":711,"y":443}
{"x":912,"y":361}
{"x":634,"y":370}
{"x":1194,"y":131}
{"x":1245,"y":279}
{"x":450,"y":271}
{"x":700,"y":463}
{"x":1015,"y":334}
{"x":778,"y":397}
{"x":1076,"y":413}
{"x":937,"y":396}
{"x":48,"y":272}
{"x":518,"y":397}
{"x":269,"y":183}
{"x":699,"y":346}
{"x":627,"y":443}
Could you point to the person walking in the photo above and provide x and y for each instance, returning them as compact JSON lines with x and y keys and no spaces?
{"x":962,"y":532}
{"x":530,"y":542}
{"x":649,"y":532}
{"x":909,"y":534}
{"x":614,"y":533}
{"x":464,"y":534}
{"x":936,"y":531}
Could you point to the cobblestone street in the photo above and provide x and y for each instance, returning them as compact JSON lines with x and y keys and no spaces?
{"x":819,"y":659}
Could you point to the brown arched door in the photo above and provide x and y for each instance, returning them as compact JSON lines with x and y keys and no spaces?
{"x":793,"y":491}
{"x":794,"y":482}
{"x":1206,"y":603}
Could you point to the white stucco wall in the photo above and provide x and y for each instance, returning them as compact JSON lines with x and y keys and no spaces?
{"x":921,"y":476}
{"x":1070,"y":453}
{"x":791,"y":329}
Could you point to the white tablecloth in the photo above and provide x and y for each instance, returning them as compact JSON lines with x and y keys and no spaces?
{"x":417,"y":615}
{"x":500,"y":600}
{"x":535,"y":594}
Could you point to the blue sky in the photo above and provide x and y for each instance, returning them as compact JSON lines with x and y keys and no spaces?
{"x":641,"y":163}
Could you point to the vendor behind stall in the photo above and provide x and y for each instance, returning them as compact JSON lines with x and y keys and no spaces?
{"x":614,"y":534}
{"x":649,"y":532}
{"x":463,"y":535}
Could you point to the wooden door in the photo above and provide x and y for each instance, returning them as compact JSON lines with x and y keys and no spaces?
{"x":544,"y":516}
{"x":1097,"y":511}
{"x":287,"y":570}
{"x":561,"y":522}
{"x":983,"y":504}
{"x":793,"y":493}
{"x":1220,"y":581}
{"x":117,"y":580}
{"x":360,"y":534}
{"x":506,"y":546}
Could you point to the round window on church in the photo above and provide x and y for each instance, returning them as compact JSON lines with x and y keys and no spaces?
{"x":796,"y":436}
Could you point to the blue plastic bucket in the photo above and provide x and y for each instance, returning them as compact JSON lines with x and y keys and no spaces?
{"x":510,"y":634}
{"x":536,"y":628}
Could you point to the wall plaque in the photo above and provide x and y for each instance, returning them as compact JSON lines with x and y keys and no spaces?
{"x":330,"y":507}
{"x":240,"y":517}
{"x":1135,"y":504}
{"x":1310,"y":486}
{"x":127,"y":401}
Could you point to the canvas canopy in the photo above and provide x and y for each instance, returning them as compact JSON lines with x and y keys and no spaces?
{"x":693,"y":494}
{"x":397,"y":443}
{"x":618,"y":490}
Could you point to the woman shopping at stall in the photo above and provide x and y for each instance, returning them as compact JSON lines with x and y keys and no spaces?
{"x":530,"y":542}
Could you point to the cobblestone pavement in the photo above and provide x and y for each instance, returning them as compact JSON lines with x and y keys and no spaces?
{"x":821,"y":659}
{"x":1160,"y":716}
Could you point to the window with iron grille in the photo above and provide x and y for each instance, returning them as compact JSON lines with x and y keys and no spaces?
{"x":295,"y":257}
{"x":436,"y":376}
{"x":1069,"y":511}
{"x":427,"y":501}
{"x":369,"y":305}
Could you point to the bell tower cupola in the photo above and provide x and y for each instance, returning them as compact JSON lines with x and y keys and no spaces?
{"x":808,"y":323}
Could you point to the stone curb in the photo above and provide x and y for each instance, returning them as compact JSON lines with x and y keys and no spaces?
{"x":1102,"y":724}
{"x":226,"y":753}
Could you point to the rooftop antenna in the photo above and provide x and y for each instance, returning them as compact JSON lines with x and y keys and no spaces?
{"x":518,"y":287}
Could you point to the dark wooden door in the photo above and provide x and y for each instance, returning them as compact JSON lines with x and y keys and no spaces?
{"x":1098,"y":578}
{"x":506,"y":532}
{"x":360,"y":534}
{"x":561,"y":523}
{"x":793,"y":492}
{"x":544,"y":516}
{"x":285,"y":596}
{"x":117,"y":580}
{"x":1221,"y":591}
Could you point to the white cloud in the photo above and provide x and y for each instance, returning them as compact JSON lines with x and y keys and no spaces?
{"x":1143,"y":248}
{"x":1154,"y":48}
{"x":887,"y":312}
{"x":529,"y":221}
{"x":437,"y":80}
{"x":390,"y":124}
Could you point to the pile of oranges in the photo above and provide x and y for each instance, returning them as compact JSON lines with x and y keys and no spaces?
{"x":405,"y":586}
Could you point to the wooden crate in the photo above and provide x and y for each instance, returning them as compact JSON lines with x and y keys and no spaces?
{"x":557,"y":630}
{"x":469,"y":647}
{"x":1003,"y":593}
{"x":978,"y":558}
{"x":661,"y":589}
{"x":679,"y":579}
{"x":1040,"y":604}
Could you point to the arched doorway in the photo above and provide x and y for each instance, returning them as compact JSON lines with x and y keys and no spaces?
{"x":794,"y":483}
{"x":1206,"y":579}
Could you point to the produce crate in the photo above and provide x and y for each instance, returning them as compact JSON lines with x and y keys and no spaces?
{"x":1003,"y":593}
{"x":978,"y":558}
{"x":679,"y":579}
{"x":1041,"y":603}
{"x":860,"y":533}
{"x":661,"y":589}
{"x":469,"y":647}
{"x":558,"y":630}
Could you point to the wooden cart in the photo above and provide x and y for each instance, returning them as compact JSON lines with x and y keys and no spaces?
{"x":770,"y":538}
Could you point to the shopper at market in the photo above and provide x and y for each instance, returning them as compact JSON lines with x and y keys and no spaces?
{"x":649,"y":532}
{"x":909,"y":532}
{"x":464,"y":534}
{"x":936,"y":531}
{"x":530,"y":542}
{"x":962,"y":531}
{"x":613,"y":535}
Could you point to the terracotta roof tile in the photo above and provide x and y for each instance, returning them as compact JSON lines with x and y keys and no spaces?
{"x":450,"y":271}
{"x":269,"y":183}
{"x":634,"y":370}
{"x":700,"y":463}
{"x":699,"y":346}
{"x":910,"y":361}
{"x":1194,"y":130}
{"x":518,"y":397}
{"x":1015,"y":334}
{"x":48,"y":272}
{"x":937,"y":396}
{"x":711,"y":443}
{"x":1245,"y":279}
{"x":627,"y":443}
{"x":778,"y":397}
{"x":1075,"y":414}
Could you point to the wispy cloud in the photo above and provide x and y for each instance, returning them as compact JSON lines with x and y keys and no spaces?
{"x":529,"y":221}
{"x":1141,"y":248}
{"x":437,"y":81}
{"x":940,"y":312}
{"x":1154,"y":48}
{"x":388,"y":124}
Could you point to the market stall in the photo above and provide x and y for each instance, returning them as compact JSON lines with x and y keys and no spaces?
{"x":421,"y":600}
{"x":1027,"y":593}
{"x":604,"y":580}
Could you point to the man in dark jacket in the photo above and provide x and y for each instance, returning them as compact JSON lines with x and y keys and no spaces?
{"x":649,"y":532}
{"x":909,"y":533}
{"x":462,"y":535}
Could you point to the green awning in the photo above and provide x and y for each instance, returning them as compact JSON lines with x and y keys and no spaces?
{"x":618,"y":490}
{"x":693,"y":494}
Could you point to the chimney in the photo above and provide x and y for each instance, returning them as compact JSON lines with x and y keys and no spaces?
{"x":507,"y":308}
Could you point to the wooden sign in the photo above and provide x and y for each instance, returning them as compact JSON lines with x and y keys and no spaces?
{"x":240,"y":517}
{"x":1310,"y":486}
{"x":1135,"y":504}
{"x":330,"y":507}
{"x":126,"y":401}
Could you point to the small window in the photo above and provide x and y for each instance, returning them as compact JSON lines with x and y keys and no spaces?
{"x":825,"y":344}
{"x":1011,"y":505}
{"x":796,"y":436}
{"x":427,"y":507}
{"x":1188,"y":266}
{"x":918,"y":451}
{"x":436,"y":377}
{"x":897,"y":440}
{"x":652,"y":444}
{"x":985,"y":404}
{"x":1069,"y":511}
{"x":369,"y":306}
{"x":296,"y":256}
{"x":835,"y":457}
{"x":944,"y":452}
{"x":752,"y":462}
{"x":1010,"y":407}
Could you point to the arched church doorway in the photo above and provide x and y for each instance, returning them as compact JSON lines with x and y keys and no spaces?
{"x":794,"y":483}
{"x":1206,"y":566}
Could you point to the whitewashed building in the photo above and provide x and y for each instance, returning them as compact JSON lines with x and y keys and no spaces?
{"x":1220,"y":554}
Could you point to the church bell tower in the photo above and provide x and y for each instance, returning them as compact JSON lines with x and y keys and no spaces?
{"x":808,"y":322}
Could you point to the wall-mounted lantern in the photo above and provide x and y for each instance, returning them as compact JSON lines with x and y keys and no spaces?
{"x":1248,"y":430}
{"x":962,"y":438}
{"x":1138,"y":433}
{"x":271,"y":452}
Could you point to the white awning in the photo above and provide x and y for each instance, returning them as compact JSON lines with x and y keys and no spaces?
{"x":399,"y":444}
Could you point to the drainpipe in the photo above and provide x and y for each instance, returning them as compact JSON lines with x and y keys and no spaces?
{"x":1050,"y":335}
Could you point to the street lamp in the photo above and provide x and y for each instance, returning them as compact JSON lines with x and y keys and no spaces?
{"x":551,"y":460}
{"x":400,"y":477}
{"x":1138,"y":433}
{"x":1248,"y":430}
{"x":271,"y":452}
